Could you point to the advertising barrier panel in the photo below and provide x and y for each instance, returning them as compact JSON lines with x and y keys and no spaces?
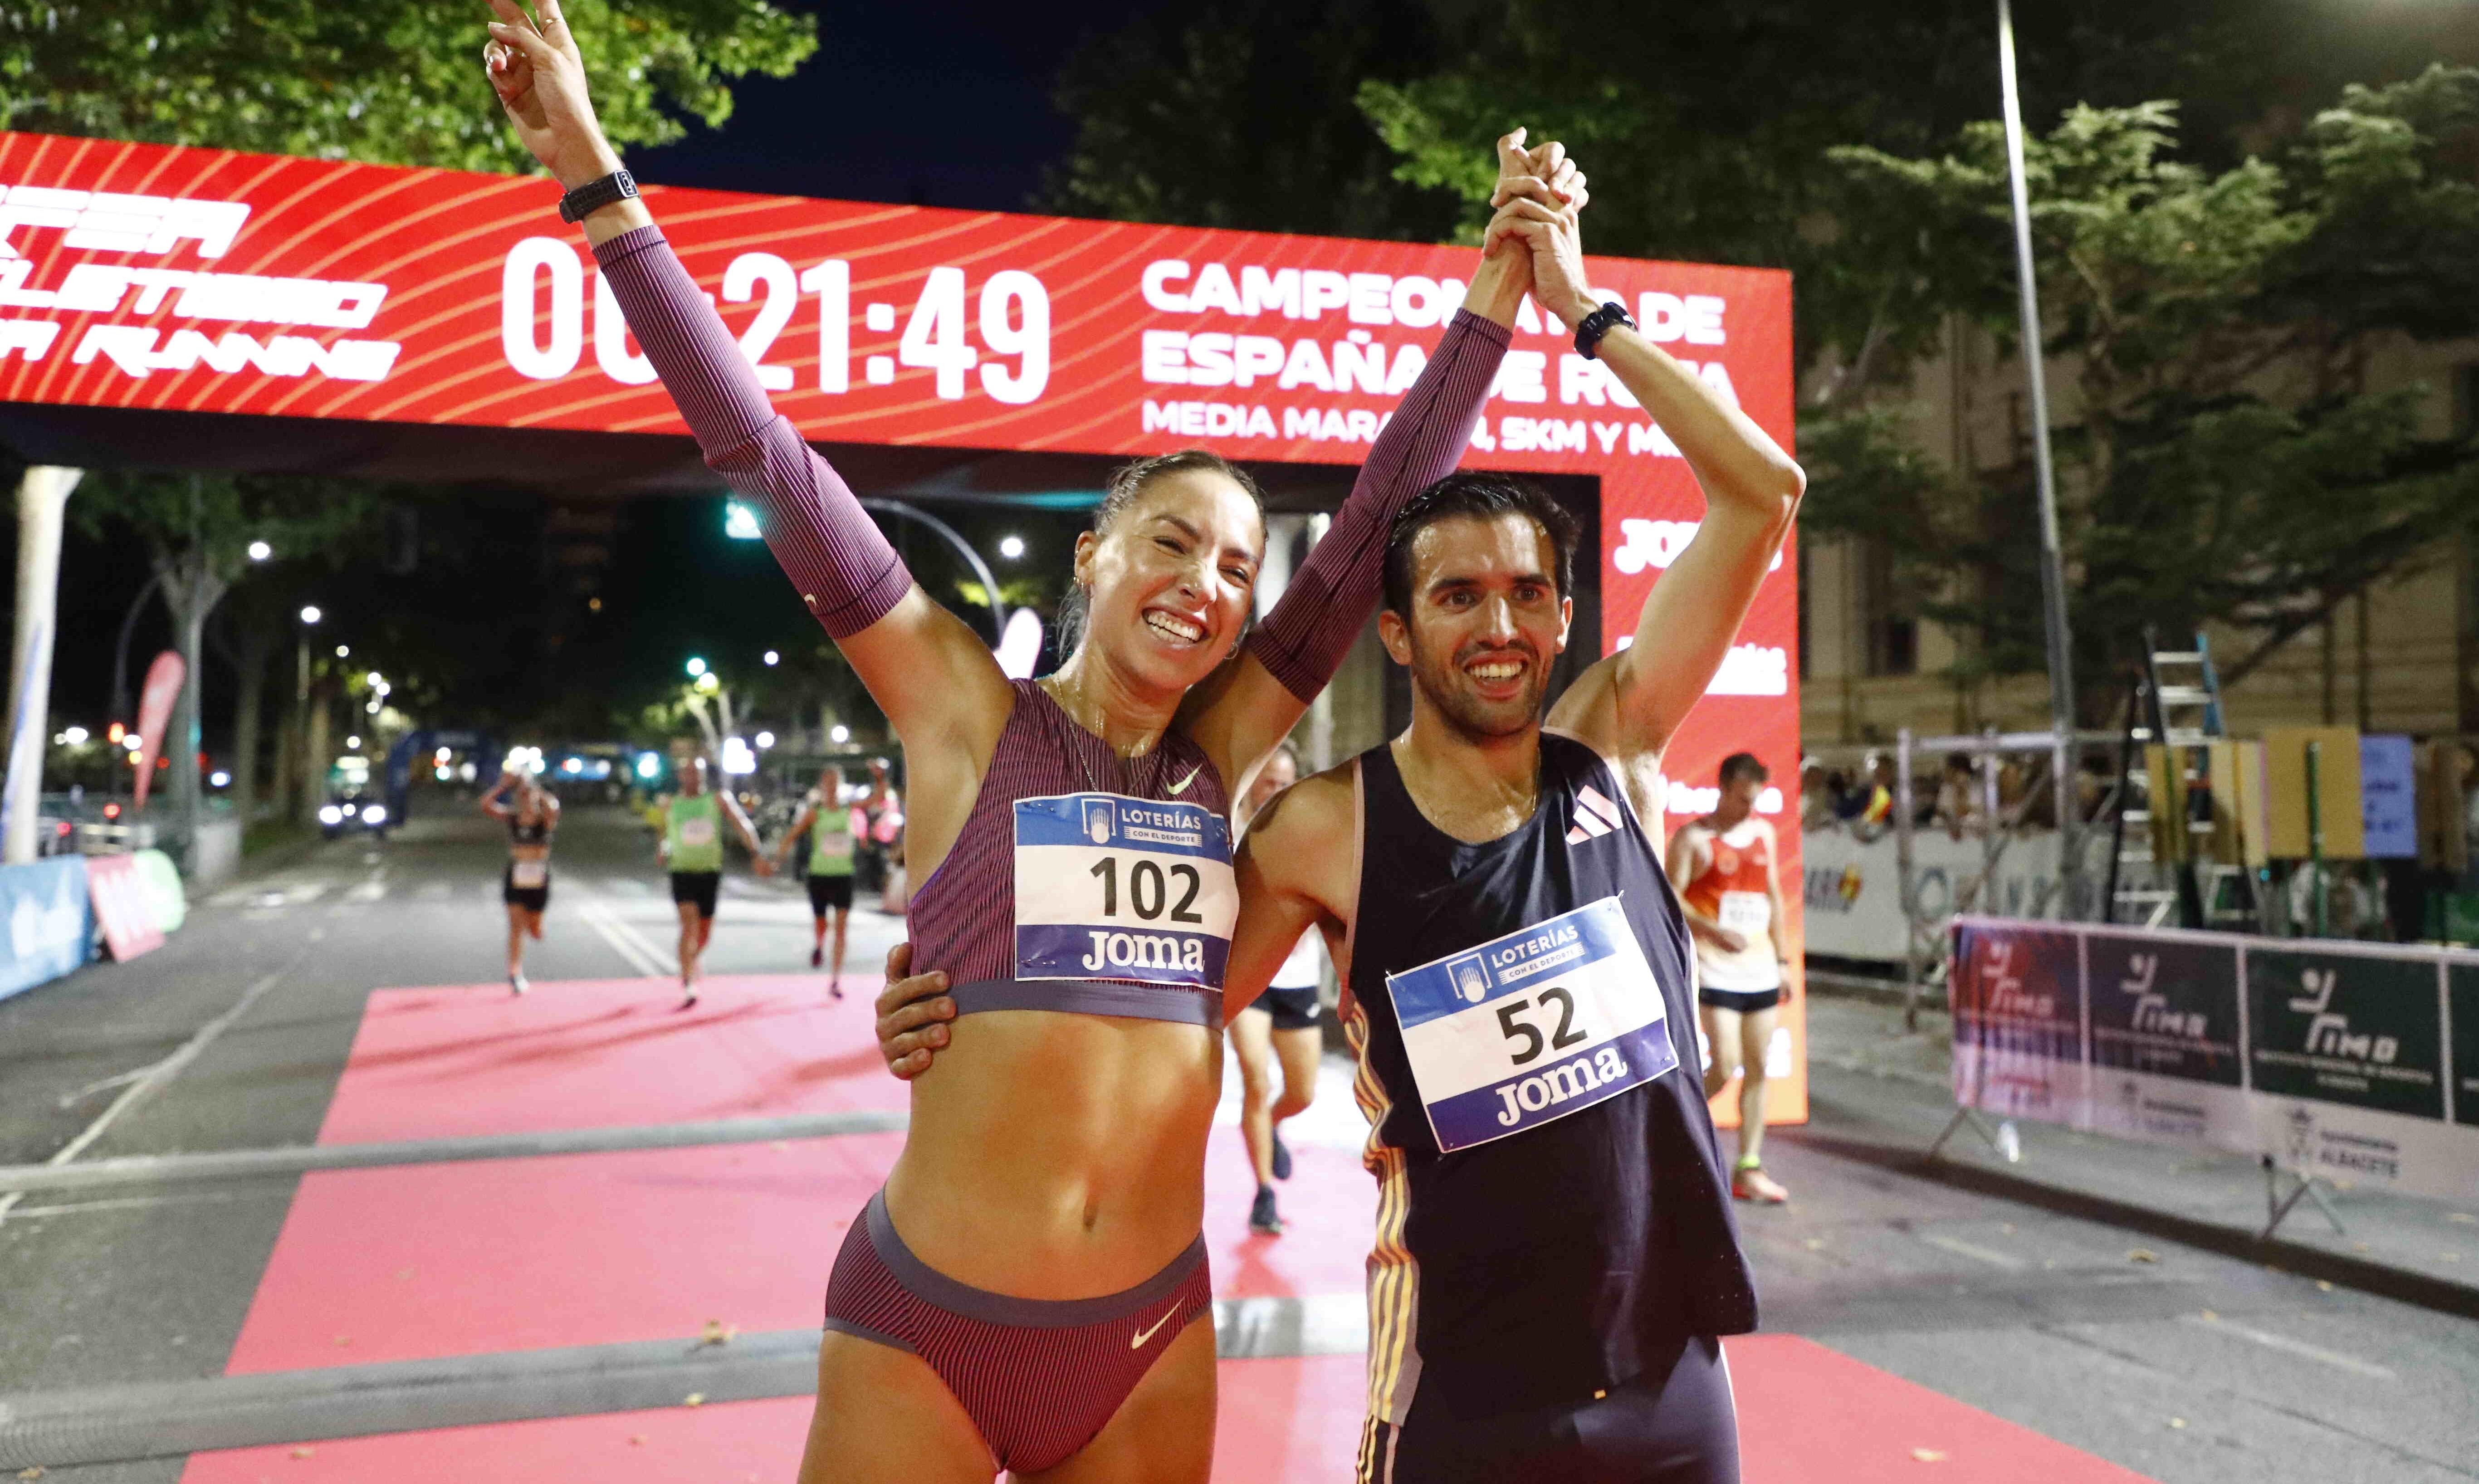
{"x":123,"y":907}
{"x":49,"y":924}
{"x":2350,"y":1061}
{"x":1852,"y":888}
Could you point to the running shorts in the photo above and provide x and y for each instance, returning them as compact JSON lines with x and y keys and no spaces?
{"x":533,"y":899}
{"x":1038,"y":1377}
{"x":698,"y":886}
{"x":1292,"y":1009}
{"x":1746,"y":1002}
{"x":1674,"y":1424}
{"x":826,"y":892}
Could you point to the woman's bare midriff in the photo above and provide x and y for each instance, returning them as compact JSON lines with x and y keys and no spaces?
{"x":1057,"y":1156}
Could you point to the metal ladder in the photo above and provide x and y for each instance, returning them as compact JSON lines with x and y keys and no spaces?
{"x":2176,"y":700}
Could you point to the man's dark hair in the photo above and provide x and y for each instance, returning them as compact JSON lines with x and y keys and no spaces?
{"x":1482,"y":494}
{"x":1739,"y":765}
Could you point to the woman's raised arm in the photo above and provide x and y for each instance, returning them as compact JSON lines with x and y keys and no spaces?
{"x":1242,"y":714}
{"x":926,"y":669}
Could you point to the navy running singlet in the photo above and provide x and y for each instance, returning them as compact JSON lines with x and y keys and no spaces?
{"x":1553,"y":1208}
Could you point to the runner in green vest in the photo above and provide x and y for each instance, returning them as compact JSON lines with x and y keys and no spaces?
{"x":692,"y":849}
{"x":828,"y":819}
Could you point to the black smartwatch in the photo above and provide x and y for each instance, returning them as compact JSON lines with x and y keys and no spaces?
{"x":1597,"y":323}
{"x":595,"y":195}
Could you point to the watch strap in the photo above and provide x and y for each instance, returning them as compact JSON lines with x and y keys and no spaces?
{"x":1597,"y":323}
{"x":595,"y":195}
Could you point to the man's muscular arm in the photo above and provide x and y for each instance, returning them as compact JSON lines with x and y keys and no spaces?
{"x":1297,"y":870}
{"x":1630,"y":703}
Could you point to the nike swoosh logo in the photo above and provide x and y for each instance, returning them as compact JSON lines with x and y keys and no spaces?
{"x":1145,"y":1335}
{"x":1181,"y":787}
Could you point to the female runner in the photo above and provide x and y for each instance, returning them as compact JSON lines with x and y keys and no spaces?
{"x":531,"y":815}
{"x":1022,"y":1294}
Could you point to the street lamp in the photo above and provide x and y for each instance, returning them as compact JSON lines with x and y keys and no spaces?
{"x":840,"y":733}
{"x":1010,"y":547}
{"x":2053,"y":566}
{"x":765,"y":739}
{"x":260,"y":550}
{"x":343,"y":652}
{"x":302,"y":754}
{"x":773,"y":658}
{"x":696,"y":667}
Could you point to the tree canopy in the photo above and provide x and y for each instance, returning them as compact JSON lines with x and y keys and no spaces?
{"x":391,"y":82}
{"x":2224,"y":453}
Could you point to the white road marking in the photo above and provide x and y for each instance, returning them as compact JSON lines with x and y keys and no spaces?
{"x":150,"y":1079}
{"x":1973,"y":1251}
{"x":2299,"y":1347}
{"x":624,"y":940}
{"x":137,"y":1202}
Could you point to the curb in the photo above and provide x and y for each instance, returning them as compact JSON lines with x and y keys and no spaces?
{"x":2440,"y":1294}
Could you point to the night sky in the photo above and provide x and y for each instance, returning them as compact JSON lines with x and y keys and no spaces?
{"x":934,"y":103}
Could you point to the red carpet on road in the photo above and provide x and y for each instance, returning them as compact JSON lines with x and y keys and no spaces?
{"x":420,"y":1262}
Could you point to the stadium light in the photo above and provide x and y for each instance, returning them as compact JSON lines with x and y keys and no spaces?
{"x":343,"y":652}
{"x":696,"y":667}
{"x":765,"y":739}
{"x":772,"y":658}
{"x":1010,"y":547}
{"x":353,"y":744}
{"x":75,"y":736}
{"x":260,"y":550}
{"x":310,"y":614}
{"x":842,"y":733}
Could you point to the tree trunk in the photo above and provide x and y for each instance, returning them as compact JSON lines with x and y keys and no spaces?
{"x":249,"y":701}
{"x":191,"y":589}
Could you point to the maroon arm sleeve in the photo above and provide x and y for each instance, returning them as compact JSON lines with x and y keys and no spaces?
{"x":1336,"y":589}
{"x":835,"y":555}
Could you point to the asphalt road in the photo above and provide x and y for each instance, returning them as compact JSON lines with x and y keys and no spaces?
{"x":2181,"y":1364}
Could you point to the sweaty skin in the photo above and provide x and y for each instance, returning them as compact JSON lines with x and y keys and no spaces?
{"x":1485,"y":604}
{"x":1054,"y":1156}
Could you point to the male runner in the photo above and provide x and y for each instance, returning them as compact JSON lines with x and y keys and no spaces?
{"x":1280,"y":1026}
{"x":692,"y":850}
{"x":1555,"y":1254}
{"x":1724,"y":865}
{"x":828,"y":819}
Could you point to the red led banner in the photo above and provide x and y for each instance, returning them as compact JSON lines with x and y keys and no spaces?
{"x":142,"y":277}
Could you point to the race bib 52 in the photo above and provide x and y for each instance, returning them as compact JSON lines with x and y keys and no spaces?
{"x":1528,"y":1028}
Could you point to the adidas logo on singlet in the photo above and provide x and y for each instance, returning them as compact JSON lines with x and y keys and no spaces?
{"x":1594,"y":816}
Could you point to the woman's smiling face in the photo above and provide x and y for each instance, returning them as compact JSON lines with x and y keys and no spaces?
{"x":1171,"y":580}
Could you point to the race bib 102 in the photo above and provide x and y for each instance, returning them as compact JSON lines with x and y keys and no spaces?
{"x":1528,"y":1028}
{"x":1113,"y":887}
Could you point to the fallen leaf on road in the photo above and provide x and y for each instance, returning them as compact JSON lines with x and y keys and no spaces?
{"x":2463,"y":1216}
{"x":2142,"y":1255}
{"x":1929,"y":1455}
{"x":402,"y":1274}
{"x":36,"y":1473}
{"x":694,"y":1400}
{"x":2209,"y":1316}
{"x":1816,"y":1243}
{"x":2008,"y":1227}
{"x":303,"y":1452}
{"x":2177,"y":1422}
{"x":636,"y":1440}
{"x":343,"y":1340}
{"x":717,"y":1332}
{"x":2323,"y":1285}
